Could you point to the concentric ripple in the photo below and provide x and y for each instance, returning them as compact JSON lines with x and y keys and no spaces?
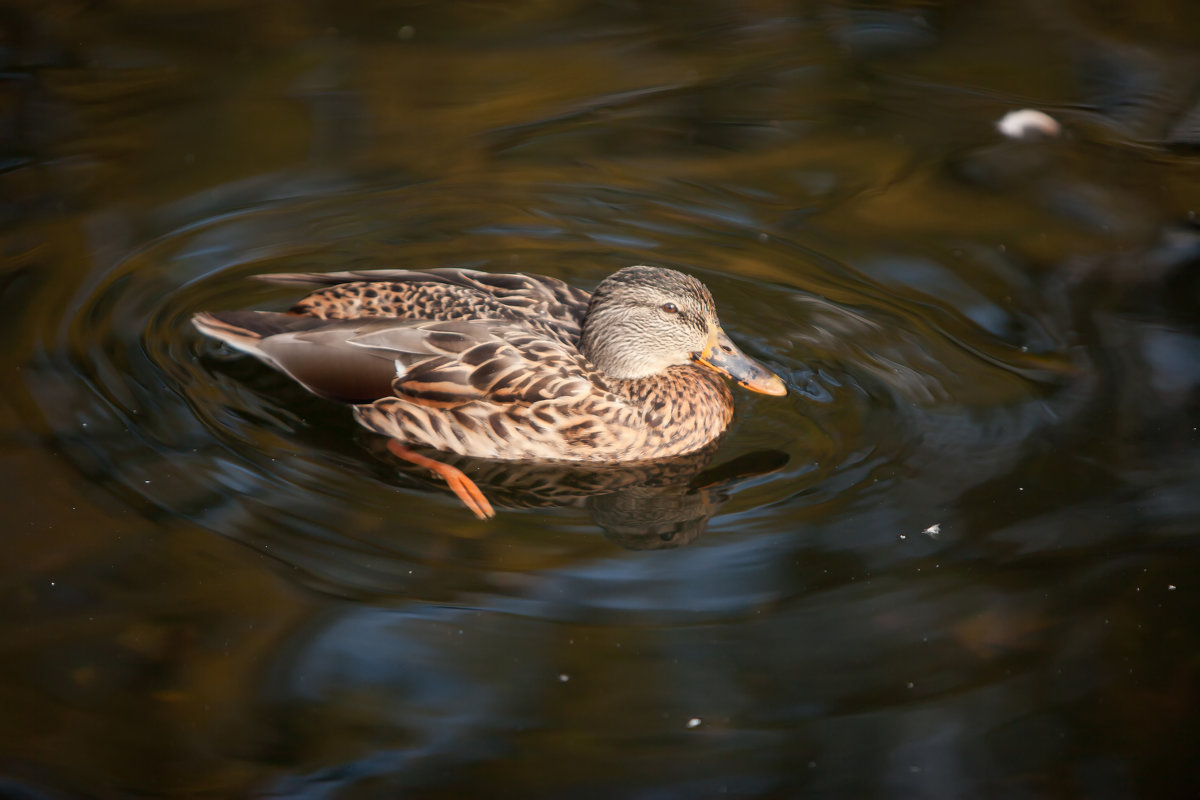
{"x":184,"y":427}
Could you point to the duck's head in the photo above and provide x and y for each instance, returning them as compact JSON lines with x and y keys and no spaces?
{"x":642,"y":320}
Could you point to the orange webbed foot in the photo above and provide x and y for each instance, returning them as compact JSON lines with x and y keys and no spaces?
{"x":462,"y":486}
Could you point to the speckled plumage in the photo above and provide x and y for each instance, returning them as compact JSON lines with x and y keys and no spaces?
{"x":547,"y":304}
{"x":493,"y":366}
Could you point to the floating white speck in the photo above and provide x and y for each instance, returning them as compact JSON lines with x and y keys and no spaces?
{"x":933,"y":530}
{"x":694,"y":722}
{"x":563,"y":677}
{"x":1170,"y":587}
{"x":1028,"y":124}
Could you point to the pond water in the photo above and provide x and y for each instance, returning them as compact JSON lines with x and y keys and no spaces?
{"x":958,"y":559}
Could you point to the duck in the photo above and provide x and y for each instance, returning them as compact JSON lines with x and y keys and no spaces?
{"x":509,"y":367}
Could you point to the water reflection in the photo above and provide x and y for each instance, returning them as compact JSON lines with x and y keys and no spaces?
{"x":641,"y":506}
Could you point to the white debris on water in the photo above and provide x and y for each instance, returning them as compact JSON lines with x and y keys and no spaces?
{"x":1028,"y":123}
{"x":563,"y":677}
{"x":694,"y":722}
{"x":933,"y":530}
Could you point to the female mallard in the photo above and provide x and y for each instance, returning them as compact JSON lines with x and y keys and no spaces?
{"x":518,"y":367}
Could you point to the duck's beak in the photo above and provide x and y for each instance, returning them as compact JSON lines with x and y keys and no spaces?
{"x":722,"y":355}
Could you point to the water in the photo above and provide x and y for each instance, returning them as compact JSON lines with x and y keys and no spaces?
{"x":956,"y":560}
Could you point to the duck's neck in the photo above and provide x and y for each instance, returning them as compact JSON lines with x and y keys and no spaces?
{"x":686,"y":406}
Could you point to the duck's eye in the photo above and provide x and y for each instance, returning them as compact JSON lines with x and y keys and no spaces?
{"x":670,"y":308}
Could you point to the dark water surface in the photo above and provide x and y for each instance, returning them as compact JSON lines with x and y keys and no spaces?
{"x":216,"y":585}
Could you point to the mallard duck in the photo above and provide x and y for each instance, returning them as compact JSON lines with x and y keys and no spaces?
{"x":515,"y":367}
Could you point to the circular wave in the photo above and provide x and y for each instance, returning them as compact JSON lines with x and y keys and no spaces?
{"x":175,"y":423}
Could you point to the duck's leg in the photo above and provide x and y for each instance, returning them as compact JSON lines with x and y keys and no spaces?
{"x":460,"y":484}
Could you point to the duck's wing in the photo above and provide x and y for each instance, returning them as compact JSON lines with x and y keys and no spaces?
{"x":473,"y":361}
{"x":482,"y":388}
{"x":518,"y":395}
{"x":545,"y":304}
{"x":354,"y":361}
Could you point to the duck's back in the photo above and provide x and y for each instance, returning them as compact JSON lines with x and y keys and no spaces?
{"x":544,"y":304}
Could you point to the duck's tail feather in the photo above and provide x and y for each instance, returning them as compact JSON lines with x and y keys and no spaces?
{"x":312,"y":351}
{"x":245,"y":330}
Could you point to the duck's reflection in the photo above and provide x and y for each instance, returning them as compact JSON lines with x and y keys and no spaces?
{"x":647,"y":517}
{"x":640,"y":506}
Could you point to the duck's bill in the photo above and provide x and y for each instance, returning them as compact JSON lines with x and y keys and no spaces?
{"x":724,"y":356}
